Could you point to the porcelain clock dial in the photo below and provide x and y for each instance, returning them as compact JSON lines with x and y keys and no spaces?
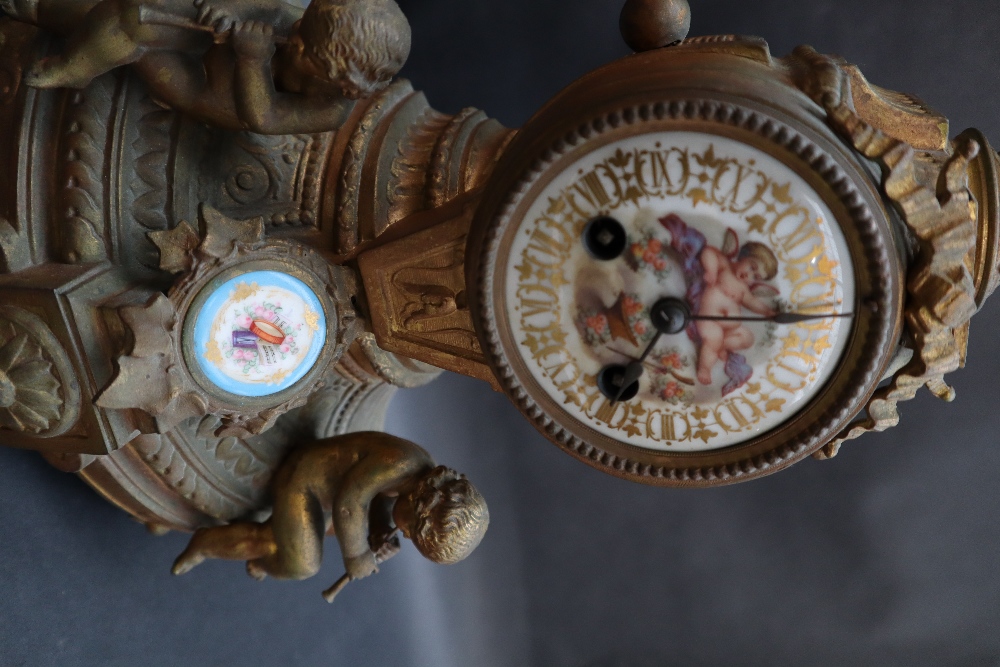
{"x":718,"y":236}
{"x":681,"y":275}
{"x":679,"y":291}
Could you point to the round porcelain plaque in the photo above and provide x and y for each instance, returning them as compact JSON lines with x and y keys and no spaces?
{"x":259,"y":333}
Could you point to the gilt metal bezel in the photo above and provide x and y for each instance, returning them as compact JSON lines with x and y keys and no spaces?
{"x":837,"y":179}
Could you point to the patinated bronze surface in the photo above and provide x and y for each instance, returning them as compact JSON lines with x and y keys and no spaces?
{"x":171,"y":158}
{"x":362,"y":487}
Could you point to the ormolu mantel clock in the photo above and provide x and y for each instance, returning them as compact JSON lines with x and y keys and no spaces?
{"x":228,"y":235}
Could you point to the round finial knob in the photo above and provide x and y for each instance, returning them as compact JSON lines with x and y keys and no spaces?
{"x":651,"y":24}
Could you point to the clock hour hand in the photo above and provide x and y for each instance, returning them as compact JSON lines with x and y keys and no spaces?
{"x":633,"y":370}
{"x":669,"y":316}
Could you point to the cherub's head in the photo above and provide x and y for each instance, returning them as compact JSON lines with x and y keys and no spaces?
{"x":755,"y":263}
{"x":356,"y":45}
{"x":444,"y":515}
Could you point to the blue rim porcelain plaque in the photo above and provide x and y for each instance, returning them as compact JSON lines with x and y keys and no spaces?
{"x":259,"y":333}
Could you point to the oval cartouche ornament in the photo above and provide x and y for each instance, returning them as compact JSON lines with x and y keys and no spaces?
{"x":259,"y":331}
{"x":739,"y":208}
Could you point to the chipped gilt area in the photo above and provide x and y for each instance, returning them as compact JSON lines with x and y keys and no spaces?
{"x":679,"y":196}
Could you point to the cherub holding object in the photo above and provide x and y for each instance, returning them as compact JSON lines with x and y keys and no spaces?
{"x":363,"y":485}
{"x":226,"y":60}
{"x":721,"y":283}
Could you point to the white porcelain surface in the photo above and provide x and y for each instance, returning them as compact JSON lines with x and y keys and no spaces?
{"x":559,"y":298}
{"x":237,"y":359}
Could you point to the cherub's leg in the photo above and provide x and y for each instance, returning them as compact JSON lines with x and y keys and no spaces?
{"x":711,"y":344}
{"x":105,"y":41}
{"x":738,"y":338}
{"x":299,"y":528}
{"x":237,"y":541}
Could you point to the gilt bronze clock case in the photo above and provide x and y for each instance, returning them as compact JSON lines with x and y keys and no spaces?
{"x":731,"y":89}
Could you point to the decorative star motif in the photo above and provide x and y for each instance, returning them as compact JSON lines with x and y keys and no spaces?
{"x":181,"y":246}
{"x":757,"y":223}
{"x":176,"y":247}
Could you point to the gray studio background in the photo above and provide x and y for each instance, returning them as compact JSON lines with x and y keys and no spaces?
{"x":885,"y":555}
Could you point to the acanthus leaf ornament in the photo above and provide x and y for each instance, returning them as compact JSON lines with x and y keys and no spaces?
{"x":160,"y":375}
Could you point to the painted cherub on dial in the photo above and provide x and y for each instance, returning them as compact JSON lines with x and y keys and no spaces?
{"x":722,"y":283}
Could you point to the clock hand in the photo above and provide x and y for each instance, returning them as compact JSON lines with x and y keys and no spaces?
{"x":669,"y":316}
{"x":779,"y":318}
{"x":633,"y":371}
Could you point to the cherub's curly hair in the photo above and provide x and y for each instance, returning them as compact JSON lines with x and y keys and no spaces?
{"x":451,"y":516}
{"x":760,"y":253}
{"x":361,"y":44}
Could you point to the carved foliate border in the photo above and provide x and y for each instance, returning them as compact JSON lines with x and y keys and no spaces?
{"x":814,"y":425}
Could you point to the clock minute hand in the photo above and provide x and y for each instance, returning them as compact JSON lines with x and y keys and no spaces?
{"x":779,"y":318}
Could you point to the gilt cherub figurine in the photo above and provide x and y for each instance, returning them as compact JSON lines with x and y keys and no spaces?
{"x":363,"y":485}
{"x":259,"y":65}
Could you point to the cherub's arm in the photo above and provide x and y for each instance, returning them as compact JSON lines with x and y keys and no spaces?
{"x":224,"y":14}
{"x":199,"y":87}
{"x":261,"y":107}
{"x":175,"y":78}
{"x":710,"y":265}
{"x":755,"y":304}
{"x":380,"y":523}
{"x":379,"y":471}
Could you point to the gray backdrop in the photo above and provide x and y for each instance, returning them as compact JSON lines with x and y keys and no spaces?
{"x":885,"y":555}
